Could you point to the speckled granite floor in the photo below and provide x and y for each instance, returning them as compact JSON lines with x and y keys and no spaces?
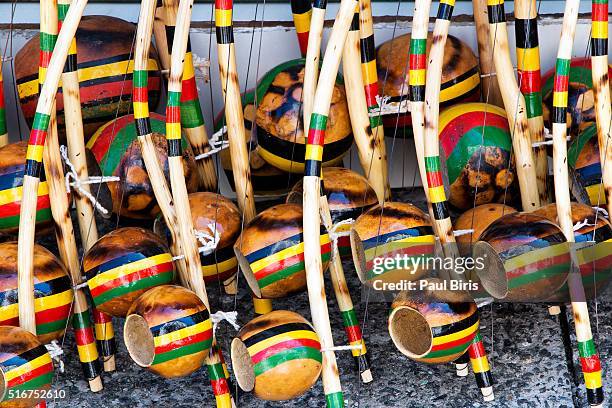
{"x":524,"y":345}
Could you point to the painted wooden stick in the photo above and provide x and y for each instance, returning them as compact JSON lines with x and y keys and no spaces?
{"x":140,"y":105}
{"x":85,"y":211}
{"x":528,"y":65}
{"x":174,"y":111}
{"x":4,"y":138}
{"x":60,"y":205}
{"x":302,"y":13}
{"x":514,"y":104}
{"x":480,"y":366}
{"x":234,"y":117}
{"x":313,"y":58}
{"x":192,"y":120}
{"x":376,"y":170}
{"x":601,"y":88}
{"x":370,"y":147}
{"x":589,"y":359}
{"x":417,"y":64}
{"x":435,"y":185}
{"x":311,"y":200}
{"x":490,"y":86}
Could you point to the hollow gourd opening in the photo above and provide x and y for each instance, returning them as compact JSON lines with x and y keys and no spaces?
{"x":359,"y":258}
{"x":493,"y":274}
{"x":3,"y":385}
{"x":242,"y":365}
{"x":245,"y":267}
{"x":139,"y":340}
{"x":410,"y":332}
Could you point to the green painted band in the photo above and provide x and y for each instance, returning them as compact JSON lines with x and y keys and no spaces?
{"x":35,"y":383}
{"x":46,"y":328}
{"x":42,"y":215}
{"x":286,"y":272}
{"x":432,"y":164}
{"x":477,"y":338}
{"x":174,"y":98}
{"x":47,"y":41}
{"x":2,"y":121}
{"x":140,"y":78}
{"x":297,"y":353}
{"x":600,"y":1}
{"x":376,"y":120}
{"x":335,"y":400}
{"x":318,"y":121}
{"x":349,"y":318}
{"x":448,"y":351}
{"x":551,"y":272}
{"x":418,"y":46}
{"x":533,"y":101}
{"x":191,"y":114}
{"x":215,"y":371}
{"x":62,"y":10}
{"x":81,"y":320}
{"x":586,"y":348}
{"x":182,"y":351}
{"x":562,"y":67}
{"x":41,"y":121}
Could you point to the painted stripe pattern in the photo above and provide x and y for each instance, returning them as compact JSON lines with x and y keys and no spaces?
{"x":30,"y":370}
{"x":270,"y":265}
{"x":453,"y":338}
{"x":560,"y":90}
{"x":417,"y":63}
{"x":496,"y":12}
{"x":435,"y":184}
{"x":302,"y":13}
{"x":368,"y":61}
{"x":599,"y":28}
{"x":219,"y":265}
{"x":173,"y":124}
{"x":220,"y":378}
{"x":10,"y":199}
{"x":223,"y":21}
{"x":353,"y":332}
{"x":314,"y":146}
{"x":182,"y":336}
{"x":277,"y":345}
{"x":190,"y":110}
{"x":52,"y":305}
{"x":71,"y":59}
{"x":480,"y":363}
{"x":528,"y":63}
{"x":591,"y":369}
{"x":140,"y":102}
{"x":134,"y":271}
{"x":86,"y":344}
{"x":105,"y":334}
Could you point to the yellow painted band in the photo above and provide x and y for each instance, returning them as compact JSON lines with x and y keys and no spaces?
{"x":295,"y":166}
{"x":416,"y":77}
{"x":53,"y":301}
{"x":188,"y":70}
{"x":223,"y":401}
{"x":127,"y":269}
{"x":314,"y":152}
{"x":494,"y":2}
{"x":369,"y":73}
{"x":480,"y":364}
{"x":437,"y":194}
{"x":596,"y":194}
{"x":455,"y":336}
{"x":104,"y":331}
{"x":26,"y":368}
{"x":358,"y":352}
{"x":213,"y":270}
{"x":535,"y":256}
{"x":260,"y":306}
{"x":141,"y":110}
{"x":292,"y":335}
{"x":173,"y":131}
{"x":600,"y":29}
{"x":42,"y":75}
{"x":592,"y":380}
{"x":34,"y":152}
{"x":560,"y":99}
{"x":460,"y":88}
{"x":223,"y":18}
{"x":87,"y":352}
{"x":400,"y":244}
{"x":528,"y":59}
{"x":12,"y":195}
{"x":302,"y":21}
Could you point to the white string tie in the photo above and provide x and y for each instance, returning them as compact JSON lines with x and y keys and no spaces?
{"x":460,"y":232}
{"x":489,"y":75}
{"x":56,"y":352}
{"x":219,"y":316}
{"x":217,"y":143}
{"x":548,"y":142}
{"x":342,"y":348}
{"x":202,"y":67}
{"x":385,"y":107}
{"x":334,"y":234}
{"x":482,"y":302}
{"x":208,"y":242}
{"x":602,"y":211}
{"x":80,"y":285}
{"x":78,"y":184}
{"x":583,"y":223}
